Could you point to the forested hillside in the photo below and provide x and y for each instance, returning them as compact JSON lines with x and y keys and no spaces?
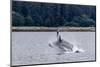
{"x":52,"y":15}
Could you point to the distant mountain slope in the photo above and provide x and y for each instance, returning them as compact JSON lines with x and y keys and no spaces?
{"x":52,"y":15}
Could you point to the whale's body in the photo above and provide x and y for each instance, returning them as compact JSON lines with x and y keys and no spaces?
{"x":63,"y":45}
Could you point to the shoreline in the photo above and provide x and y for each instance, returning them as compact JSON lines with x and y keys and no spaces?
{"x":53,"y":29}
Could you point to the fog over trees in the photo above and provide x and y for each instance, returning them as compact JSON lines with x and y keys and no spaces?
{"x":52,"y":15}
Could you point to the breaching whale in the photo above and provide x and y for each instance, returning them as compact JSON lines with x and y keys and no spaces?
{"x":64,"y":46}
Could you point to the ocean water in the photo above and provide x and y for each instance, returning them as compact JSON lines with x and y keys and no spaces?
{"x":32,"y":47}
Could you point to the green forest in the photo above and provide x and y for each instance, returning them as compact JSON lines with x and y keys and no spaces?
{"x":52,"y":14}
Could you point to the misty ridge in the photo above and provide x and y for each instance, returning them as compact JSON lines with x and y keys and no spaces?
{"x":52,"y":15}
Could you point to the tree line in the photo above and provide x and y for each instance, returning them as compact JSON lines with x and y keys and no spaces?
{"x":52,"y":14}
